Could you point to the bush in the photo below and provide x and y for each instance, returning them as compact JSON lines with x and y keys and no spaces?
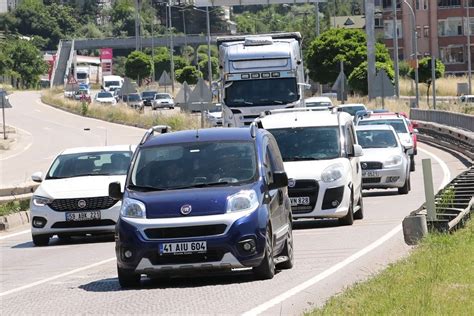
{"x":214,"y":67}
{"x":189,"y":74}
{"x":358,"y":77}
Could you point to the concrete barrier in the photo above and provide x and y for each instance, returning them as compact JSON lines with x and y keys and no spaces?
{"x":14,"y":220}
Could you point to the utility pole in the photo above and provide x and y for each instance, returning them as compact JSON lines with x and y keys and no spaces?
{"x":171,"y":47}
{"x":209,"y":67}
{"x":317,"y":18}
{"x":469,"y":75}
{"x":395,"y":49}
{"x":370,"y":29}
{"x":137,"y":25}
{"x":433,"y":80}
{"x":415,"y":53}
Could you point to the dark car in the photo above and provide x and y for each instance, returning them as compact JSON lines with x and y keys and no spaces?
{"x":204,"y":199}
{"x":148,"y":96}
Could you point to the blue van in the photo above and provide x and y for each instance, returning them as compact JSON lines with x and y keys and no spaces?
{"x":203,"y":199}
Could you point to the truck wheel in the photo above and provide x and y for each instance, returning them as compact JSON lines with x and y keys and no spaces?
{"x":288,"y":251}
{"x":349,"y":218}
{"x":266,"y":269}
{"x":128,"y":278}
{"x":40,"y":240}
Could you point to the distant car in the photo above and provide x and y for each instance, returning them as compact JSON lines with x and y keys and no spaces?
{"x":468,"y":98}
{"x":148,"y":96}
{"x":81,"y":94}
{"x":214,"y":116}
{"x":72,"y":198}
{"x":105,"y":98}
{"x":69,"y":94}
{"x":318,"y":102}
{"x":134,"y":100}
{"x":385,"y":163}
{"x":162,"y":100}
{"x":351,"y":108}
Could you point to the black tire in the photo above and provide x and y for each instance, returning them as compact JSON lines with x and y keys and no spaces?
{"x":360,"y":213}
{"x":349,"y":218}
{"x":127,"y":278}
{"x":64,"y":238}
{"x":172,"y":108}
{"x":406,"y":186}
{"x":288,"y":251}
{"x":412,"y":163}
{"x":40,"y":240}
{"x":266,"y":269}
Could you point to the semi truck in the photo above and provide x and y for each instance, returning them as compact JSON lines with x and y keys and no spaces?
{"x":259,"y":73}
{"x":83,"y":74}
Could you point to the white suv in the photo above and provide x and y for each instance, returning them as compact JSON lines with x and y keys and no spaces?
{"x":320,"y":154}
{"x":73,"y":197}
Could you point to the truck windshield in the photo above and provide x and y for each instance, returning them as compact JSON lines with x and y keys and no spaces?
{"x":112,"y":83}
{"x":307,"y":143}
{"x":261,"y":92}
{"x":81,"y":75}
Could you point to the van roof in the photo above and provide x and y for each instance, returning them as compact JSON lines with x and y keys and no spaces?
{"x":304,"y":119}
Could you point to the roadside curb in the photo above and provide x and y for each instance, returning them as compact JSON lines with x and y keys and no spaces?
{"x":14,"y":220}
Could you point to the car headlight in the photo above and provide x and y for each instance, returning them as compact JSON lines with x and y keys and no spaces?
{"x":392,"y":161}
{"x":242,"y":201}
{"x":332,"y":173}
{"x":133,"y":208}
{"x":40,"y":200}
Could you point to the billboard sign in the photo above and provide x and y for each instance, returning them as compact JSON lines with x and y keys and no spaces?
{"x":230,"y":3}
{"x":106,"y":54}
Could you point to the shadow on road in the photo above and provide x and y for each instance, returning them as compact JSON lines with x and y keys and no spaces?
{"x":315,"y":223}
{"x":379,"y":193}
{"x":76,"y":240}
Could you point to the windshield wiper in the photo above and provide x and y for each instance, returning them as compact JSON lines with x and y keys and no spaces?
{"x":145,"y":188}
{"x":298,"y":158}
{"x":200,"y":185}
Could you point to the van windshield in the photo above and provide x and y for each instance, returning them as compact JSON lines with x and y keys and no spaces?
{"x":112,"y":83}
{"x":377,"y":139}
{"x":397,"y":124}
{"x":189,"y":165}
{"x":307,"y":143}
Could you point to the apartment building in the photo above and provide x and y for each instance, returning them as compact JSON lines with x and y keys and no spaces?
{"x":441,"y":28}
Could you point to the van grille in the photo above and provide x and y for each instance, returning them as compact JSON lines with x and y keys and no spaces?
{"x":184,"y":232}
{"x":302,"y":188}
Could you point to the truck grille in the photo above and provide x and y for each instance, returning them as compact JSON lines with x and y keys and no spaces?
{"x":89,"y":204}
{"x":184,"y":232}
{"x":304,"y":188}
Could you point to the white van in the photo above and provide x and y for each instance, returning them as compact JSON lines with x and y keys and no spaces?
{"x":111,"y":82}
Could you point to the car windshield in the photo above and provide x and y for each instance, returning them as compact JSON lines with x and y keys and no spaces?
{"x":133,"y":97}
{"x":397,"y":124}
{"x":105,"y":95}
{"x":261,"y":92}
{"x":90,"y":164}
{"x":317,"y":104}
{"x":189,"y":165}
{"x":352,"y":110}
{"x":377,"y":139}
{"x":112,"y":83}
{"x":162,"y":96}
{"x":307,"y":143}
{"x":216,"y":109}
{"x":148,"y":94}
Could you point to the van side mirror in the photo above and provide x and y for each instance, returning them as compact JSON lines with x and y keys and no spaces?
{"x":358,"y":151}
{"x":280,"y":180}
{"x":115,"y":191}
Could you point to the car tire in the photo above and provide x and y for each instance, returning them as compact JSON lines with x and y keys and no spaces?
{"x":288,"y":251}
{"x":40,"y":240}
{"x":360,"y":213}
{"x":266,"y":269}
{"x":412,"y":163}
{"x":127,"y":278}
{"x":406,"y":186}
{"x":64,"y":238}
{"x":349,"y":218}
{"x":172,"y":108}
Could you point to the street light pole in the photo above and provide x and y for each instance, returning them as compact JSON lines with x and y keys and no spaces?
{"x":415,"y":52}
{"x":469,"y":74}
{"x":395,"y":50}
{"x":171,"y":46}
{"x":209,"y":67}
{"x":317,"y":18}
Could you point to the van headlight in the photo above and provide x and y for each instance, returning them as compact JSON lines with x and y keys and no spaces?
{"x":40,"y":200}
{"x":332,"y":173}
{"x":133,"y":208}
{"x":242,"y":201}
{"x":393,"y":161}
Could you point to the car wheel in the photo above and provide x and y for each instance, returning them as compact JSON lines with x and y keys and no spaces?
{"x":128,"y":278}
{"x":266,"y":269}
{"x":406,"y":186}
{"x":360,"y":213}
{"x":288,"y":251}
{"x":172,"y":108}
{"x":40,"y":240}
{"x":64,"y":238}
{"x":412,"y":163}
{"x":349,"y":218}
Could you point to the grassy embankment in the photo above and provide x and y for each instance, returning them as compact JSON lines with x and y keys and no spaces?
{"x":436,"y":279}
{"x":120,"y":114}
{"x":14,"y":206}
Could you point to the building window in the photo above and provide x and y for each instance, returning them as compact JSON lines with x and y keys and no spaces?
{"x":471,"y":3}
{"x":426,"y":31}
{"x":387,"y":4}
{"x":452,"y":54}
{"x":388,"y":29}
{"x":471,"y":24}
{"x":378,"y":22}
{"x":418,"y":31}
{"x":449,"y":3}
{"x":450,"y":27}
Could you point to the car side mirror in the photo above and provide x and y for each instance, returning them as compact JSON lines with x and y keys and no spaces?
{"x":280,"y":180}
{"x":415,"y":131}
{"x":37,"y":176}
{"x":115,"y":191}
{"x":358,"y":151}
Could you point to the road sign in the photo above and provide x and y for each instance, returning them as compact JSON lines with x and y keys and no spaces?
{"x":201,"y":97}
{"x":182,"y":99}
{"x":71,"y":80}
{"x":341,"y":86}
{"x":165,"y":79}
{"x":383,"y":86}
{"x":128,"y":87}
{"x":4,"y":102}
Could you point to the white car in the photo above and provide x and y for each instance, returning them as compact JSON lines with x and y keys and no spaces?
{"x":323,"y":102}
{"x":73,"y":198}
{"x":134,"y":100}
{"x":321,"y":157}
{"x":214,"y":116}
{"x":351,"y":108}
{"x":385,"y":163}
{"x":104,"y":97}
{"x":162,"y":100}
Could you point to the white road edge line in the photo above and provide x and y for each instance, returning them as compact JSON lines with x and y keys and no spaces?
{"x":15,"y":234}
{"x":27,"y":286}
{"x":317,"y":278}
{"x":22,"y":150}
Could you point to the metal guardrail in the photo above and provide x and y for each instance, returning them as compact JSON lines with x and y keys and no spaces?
{"x":464,"y":121}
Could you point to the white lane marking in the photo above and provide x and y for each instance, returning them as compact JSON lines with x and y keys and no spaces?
{"x":14,"y":234}
{"x":27,"y":286}
{"x":447,"y":173}
{"x":23,"y":150}
{"x":317,"y":278}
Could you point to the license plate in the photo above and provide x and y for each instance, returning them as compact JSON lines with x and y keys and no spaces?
{"x":301,"y":200}
{"x":82,"y":216}
{"x":183,"y":247}
{"x":370,"y":174}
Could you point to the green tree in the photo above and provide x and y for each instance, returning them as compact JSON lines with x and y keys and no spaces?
{"x":424,"y":73}
{"x":163,"y":62}
{"x":204,"y":67}
{"x":123,"y":18}
{"x":404,"y":68}
{"x":335,"y":45}
{"x":138,"y":66}
{"x":189,"y":74}
{"x":119,"y":65}
{"x":202,"y":49}
{"x":358,"y":77}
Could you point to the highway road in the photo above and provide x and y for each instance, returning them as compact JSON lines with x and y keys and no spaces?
{"x":80,"y":277}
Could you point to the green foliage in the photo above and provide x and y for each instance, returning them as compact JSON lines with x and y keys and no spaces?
{"x":189,"y":74}
{"x":202,"y":49}
{"x":84,"y":107}
{"x":335,"y":45}
{"x":163,"y":62}
{"x":89,"y":30}
{"x":403,"y":68}
{"x":204,"y":67}
{"x":119,"y":65}
{"x":424,"y":70}
{"x":358,"y":77}
{"x":446,"y":199}
{"x":14,"y":206}
{"x":138,"y":66}
{"x":123,"y":18}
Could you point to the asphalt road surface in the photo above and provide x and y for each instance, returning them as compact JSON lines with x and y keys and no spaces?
{"x":80,"y":277}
